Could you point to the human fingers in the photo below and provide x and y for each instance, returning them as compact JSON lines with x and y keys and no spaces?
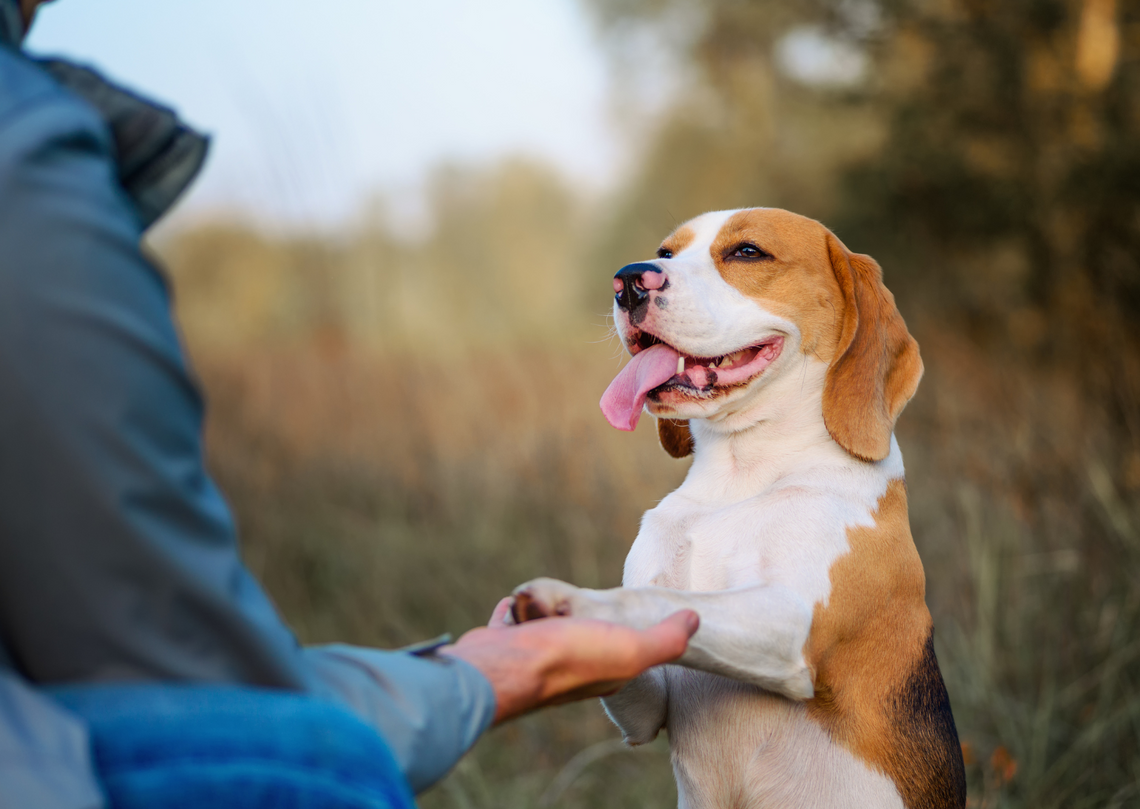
{"x":499,"y":616}
{"x":593,"y":657}
{"x":565,"y":659}
{"x":666,"y":641}
{"x":601,"y":652}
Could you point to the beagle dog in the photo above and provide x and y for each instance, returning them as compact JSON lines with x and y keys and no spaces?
{"x":776,"y":357}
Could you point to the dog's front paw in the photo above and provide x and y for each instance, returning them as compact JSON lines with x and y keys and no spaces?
{"x":542,"y":598}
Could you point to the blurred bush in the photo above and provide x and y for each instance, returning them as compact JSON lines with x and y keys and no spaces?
{"x":500,"y":261}
{"x":406,"y":421}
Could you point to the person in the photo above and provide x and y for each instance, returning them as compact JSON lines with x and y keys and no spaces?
{"x":140,"y":662}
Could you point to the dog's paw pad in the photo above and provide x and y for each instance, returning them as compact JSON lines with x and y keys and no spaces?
{"x":527,"y":608}
{"x":543,"y":598}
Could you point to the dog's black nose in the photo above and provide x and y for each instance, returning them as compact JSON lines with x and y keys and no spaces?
{"x":633,"y":282}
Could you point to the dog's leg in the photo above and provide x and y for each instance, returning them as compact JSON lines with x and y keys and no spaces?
{"x":639,"y":709}
{"x":755,"y":634}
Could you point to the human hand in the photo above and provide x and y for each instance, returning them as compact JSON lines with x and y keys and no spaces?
{"x":557,"y":660}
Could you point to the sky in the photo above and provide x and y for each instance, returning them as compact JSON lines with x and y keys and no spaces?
{"x":315,"y":105}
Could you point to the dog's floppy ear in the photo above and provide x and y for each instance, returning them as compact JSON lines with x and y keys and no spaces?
{"x":675,"y":437}
{"x":876,"y":367}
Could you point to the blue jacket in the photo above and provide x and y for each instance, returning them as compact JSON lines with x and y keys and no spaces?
{"x":118,"y":556}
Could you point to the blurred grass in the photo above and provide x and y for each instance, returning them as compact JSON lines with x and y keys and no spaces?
{"x":475,"y":471}
{"x":1032,"y":558}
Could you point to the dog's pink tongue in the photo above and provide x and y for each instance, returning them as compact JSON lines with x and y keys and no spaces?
{"x":624,"y":398}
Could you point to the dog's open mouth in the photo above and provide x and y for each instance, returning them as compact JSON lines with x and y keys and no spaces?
{"x":658,"y":369}
{"x":702,"y":374}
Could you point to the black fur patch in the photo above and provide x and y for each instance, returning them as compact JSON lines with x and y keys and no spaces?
{"x":927,"y":751}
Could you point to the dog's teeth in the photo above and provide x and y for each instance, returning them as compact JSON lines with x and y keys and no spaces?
{"x":680,"y":365}
{"x":731,"y":359}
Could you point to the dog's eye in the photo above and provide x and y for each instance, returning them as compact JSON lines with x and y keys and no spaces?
{"x":748,"y":251}
{"x":664,"y":252}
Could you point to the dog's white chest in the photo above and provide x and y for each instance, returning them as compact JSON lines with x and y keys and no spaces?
{"x":684,"y":546}
{"x":790,"y":532}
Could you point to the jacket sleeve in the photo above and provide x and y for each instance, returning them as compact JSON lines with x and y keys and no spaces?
{"x":118,"y":556}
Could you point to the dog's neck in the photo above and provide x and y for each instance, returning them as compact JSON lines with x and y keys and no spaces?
{"x":774,"y":432}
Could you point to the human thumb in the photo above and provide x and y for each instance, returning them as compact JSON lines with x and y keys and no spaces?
{"x":670,"y":638}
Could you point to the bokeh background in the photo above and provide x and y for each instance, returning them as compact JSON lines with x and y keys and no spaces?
{"x":394,"y":284}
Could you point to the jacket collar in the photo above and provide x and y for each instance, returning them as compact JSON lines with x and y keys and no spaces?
{"x":157,"y":155}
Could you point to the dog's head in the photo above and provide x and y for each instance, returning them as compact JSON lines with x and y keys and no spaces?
{"x":737,"y":301}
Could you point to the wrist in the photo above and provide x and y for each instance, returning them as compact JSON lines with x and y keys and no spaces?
{"x":520,"y":671}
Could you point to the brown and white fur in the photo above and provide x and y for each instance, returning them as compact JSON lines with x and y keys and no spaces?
{"x":812,"y":680}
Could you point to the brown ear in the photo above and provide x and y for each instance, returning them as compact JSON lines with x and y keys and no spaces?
{"x":876,"y":367}
{"x":675,"y":437}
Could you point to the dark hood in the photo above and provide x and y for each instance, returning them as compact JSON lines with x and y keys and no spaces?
{"x":158,"y":155}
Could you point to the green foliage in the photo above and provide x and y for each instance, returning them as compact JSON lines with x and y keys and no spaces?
{"x":1018,"y":128}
